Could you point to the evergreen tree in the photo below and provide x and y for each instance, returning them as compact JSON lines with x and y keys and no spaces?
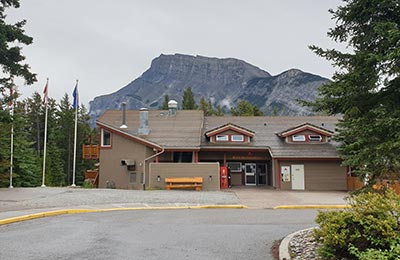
{"x":208,"y":108}
{"x":26,"y":170}
{"x":188,"y":102}
{"x":11,"y":55}
{"x":84,"y":132}
{"x":65,"y":135}
{"x":55,"y":162}
{"x":165,"y":103}
{"x":35,"y":113}
{"x":244,"y":108}
{"x":366,"y":86}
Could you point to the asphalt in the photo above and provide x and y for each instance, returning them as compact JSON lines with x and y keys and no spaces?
{"x":20,"y":204}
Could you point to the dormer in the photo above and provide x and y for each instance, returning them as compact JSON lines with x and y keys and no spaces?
{"x":306,"y":133}
{"x":230,"y":134}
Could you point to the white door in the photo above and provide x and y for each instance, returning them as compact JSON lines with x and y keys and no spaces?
{"x":250,"y":173}
{"x":298,"y":177}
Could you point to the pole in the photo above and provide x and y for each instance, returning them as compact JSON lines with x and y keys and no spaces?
{"x":12,"y":146}
{"x":76,"y":104}
{"x":45,"y":136}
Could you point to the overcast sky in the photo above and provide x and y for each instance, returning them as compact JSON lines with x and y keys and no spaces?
{"x":107,"y":44}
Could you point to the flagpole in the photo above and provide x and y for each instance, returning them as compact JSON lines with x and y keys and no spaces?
{"x":12,"y":140}
{"x":76,"y":104}
{"x":45,"y":135}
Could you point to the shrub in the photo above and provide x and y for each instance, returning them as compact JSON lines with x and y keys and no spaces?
{"x":370,"y":229}
{"x":87,"y":184}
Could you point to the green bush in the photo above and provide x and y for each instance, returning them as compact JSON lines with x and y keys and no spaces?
{"x":370,"y":229}
{"x":87,"y":184}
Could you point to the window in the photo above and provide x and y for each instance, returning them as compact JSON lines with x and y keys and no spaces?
{"x":315,"y":138}
{"x":222,"y":138}
{"x":182,"y":157}
{"x":105,"y":138}
{"x":298,"y":138}
{"x":133,"y":177}
{"x":235,"y":166}
{"x":237,"y":138}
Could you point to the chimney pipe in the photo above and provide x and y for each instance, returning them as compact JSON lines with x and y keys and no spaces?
{"x":144,"y":122}
{"x":123,"y":116}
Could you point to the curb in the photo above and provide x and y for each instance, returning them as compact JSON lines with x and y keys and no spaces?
{"x":284,"y":246}
{"x":79,"y":211}
{"x":312,"y":207}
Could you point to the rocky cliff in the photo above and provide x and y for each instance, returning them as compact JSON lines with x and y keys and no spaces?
{"x":223,"y":81}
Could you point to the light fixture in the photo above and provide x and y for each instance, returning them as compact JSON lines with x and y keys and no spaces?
{"x":158,"y":178}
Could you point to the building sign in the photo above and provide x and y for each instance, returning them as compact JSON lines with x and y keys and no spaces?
{"x":285,"y":172}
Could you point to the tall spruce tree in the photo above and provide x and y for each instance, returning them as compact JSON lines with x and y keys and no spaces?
{"x":366,"y":86}
{"x":188,"y":102}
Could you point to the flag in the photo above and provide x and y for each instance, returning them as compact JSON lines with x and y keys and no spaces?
{"x":75,"y":94}
{"x":45,"y":92}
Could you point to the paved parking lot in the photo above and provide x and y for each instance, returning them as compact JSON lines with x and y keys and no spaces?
{"x":22,"y":201}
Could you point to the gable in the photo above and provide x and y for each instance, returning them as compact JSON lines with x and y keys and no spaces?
{"x":305,"y":128}
{"x":230,"y":129}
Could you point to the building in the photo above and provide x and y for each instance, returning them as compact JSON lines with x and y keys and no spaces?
{"x":139,"y":149}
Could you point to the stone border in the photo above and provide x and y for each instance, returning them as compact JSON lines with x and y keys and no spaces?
{"x":284,"y":246}
{"x":79,"y":211}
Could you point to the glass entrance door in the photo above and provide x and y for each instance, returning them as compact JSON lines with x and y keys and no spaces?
{"x":250,"y":174}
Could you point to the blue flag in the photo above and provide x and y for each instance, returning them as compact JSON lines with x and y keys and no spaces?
{"x":76,"y":97}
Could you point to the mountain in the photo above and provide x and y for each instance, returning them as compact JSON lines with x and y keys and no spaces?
{"x":223,"y":81}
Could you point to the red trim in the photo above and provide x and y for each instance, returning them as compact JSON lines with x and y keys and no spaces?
{"x":230,"y":149}
{"x":303,"y":128}
{"x":278,"y":174}
{"x":229,"y":127}
{"x":306,"y":159}
{"x":225,"y":159}
{"x":130,"y":137}
{"x":171,"y":150}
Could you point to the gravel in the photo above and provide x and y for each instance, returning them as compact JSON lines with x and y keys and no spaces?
{"x":303,"y":246}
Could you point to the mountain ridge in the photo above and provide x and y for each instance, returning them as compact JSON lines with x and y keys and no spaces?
{"x":223,"y":81}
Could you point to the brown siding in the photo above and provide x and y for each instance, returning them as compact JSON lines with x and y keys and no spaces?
{"x":175,"y":170}
{"x":319,"y":175}
{"x":236,"y":178}
{"x":325,"y":176}
{"x":111,"y":170}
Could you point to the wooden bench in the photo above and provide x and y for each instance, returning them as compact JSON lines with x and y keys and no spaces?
{"x":184,"y":183}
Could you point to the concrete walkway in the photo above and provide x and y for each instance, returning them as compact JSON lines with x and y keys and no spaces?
{"x":25,"y":201}
{"x":263,"y":198}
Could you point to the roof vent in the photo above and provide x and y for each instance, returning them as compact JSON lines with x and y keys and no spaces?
{"x":172,"y":107}
{"x":123,"y":126}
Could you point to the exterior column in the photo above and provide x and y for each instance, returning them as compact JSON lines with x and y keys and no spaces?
{"x":225,"y":159}
{"x":278,"y":175}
